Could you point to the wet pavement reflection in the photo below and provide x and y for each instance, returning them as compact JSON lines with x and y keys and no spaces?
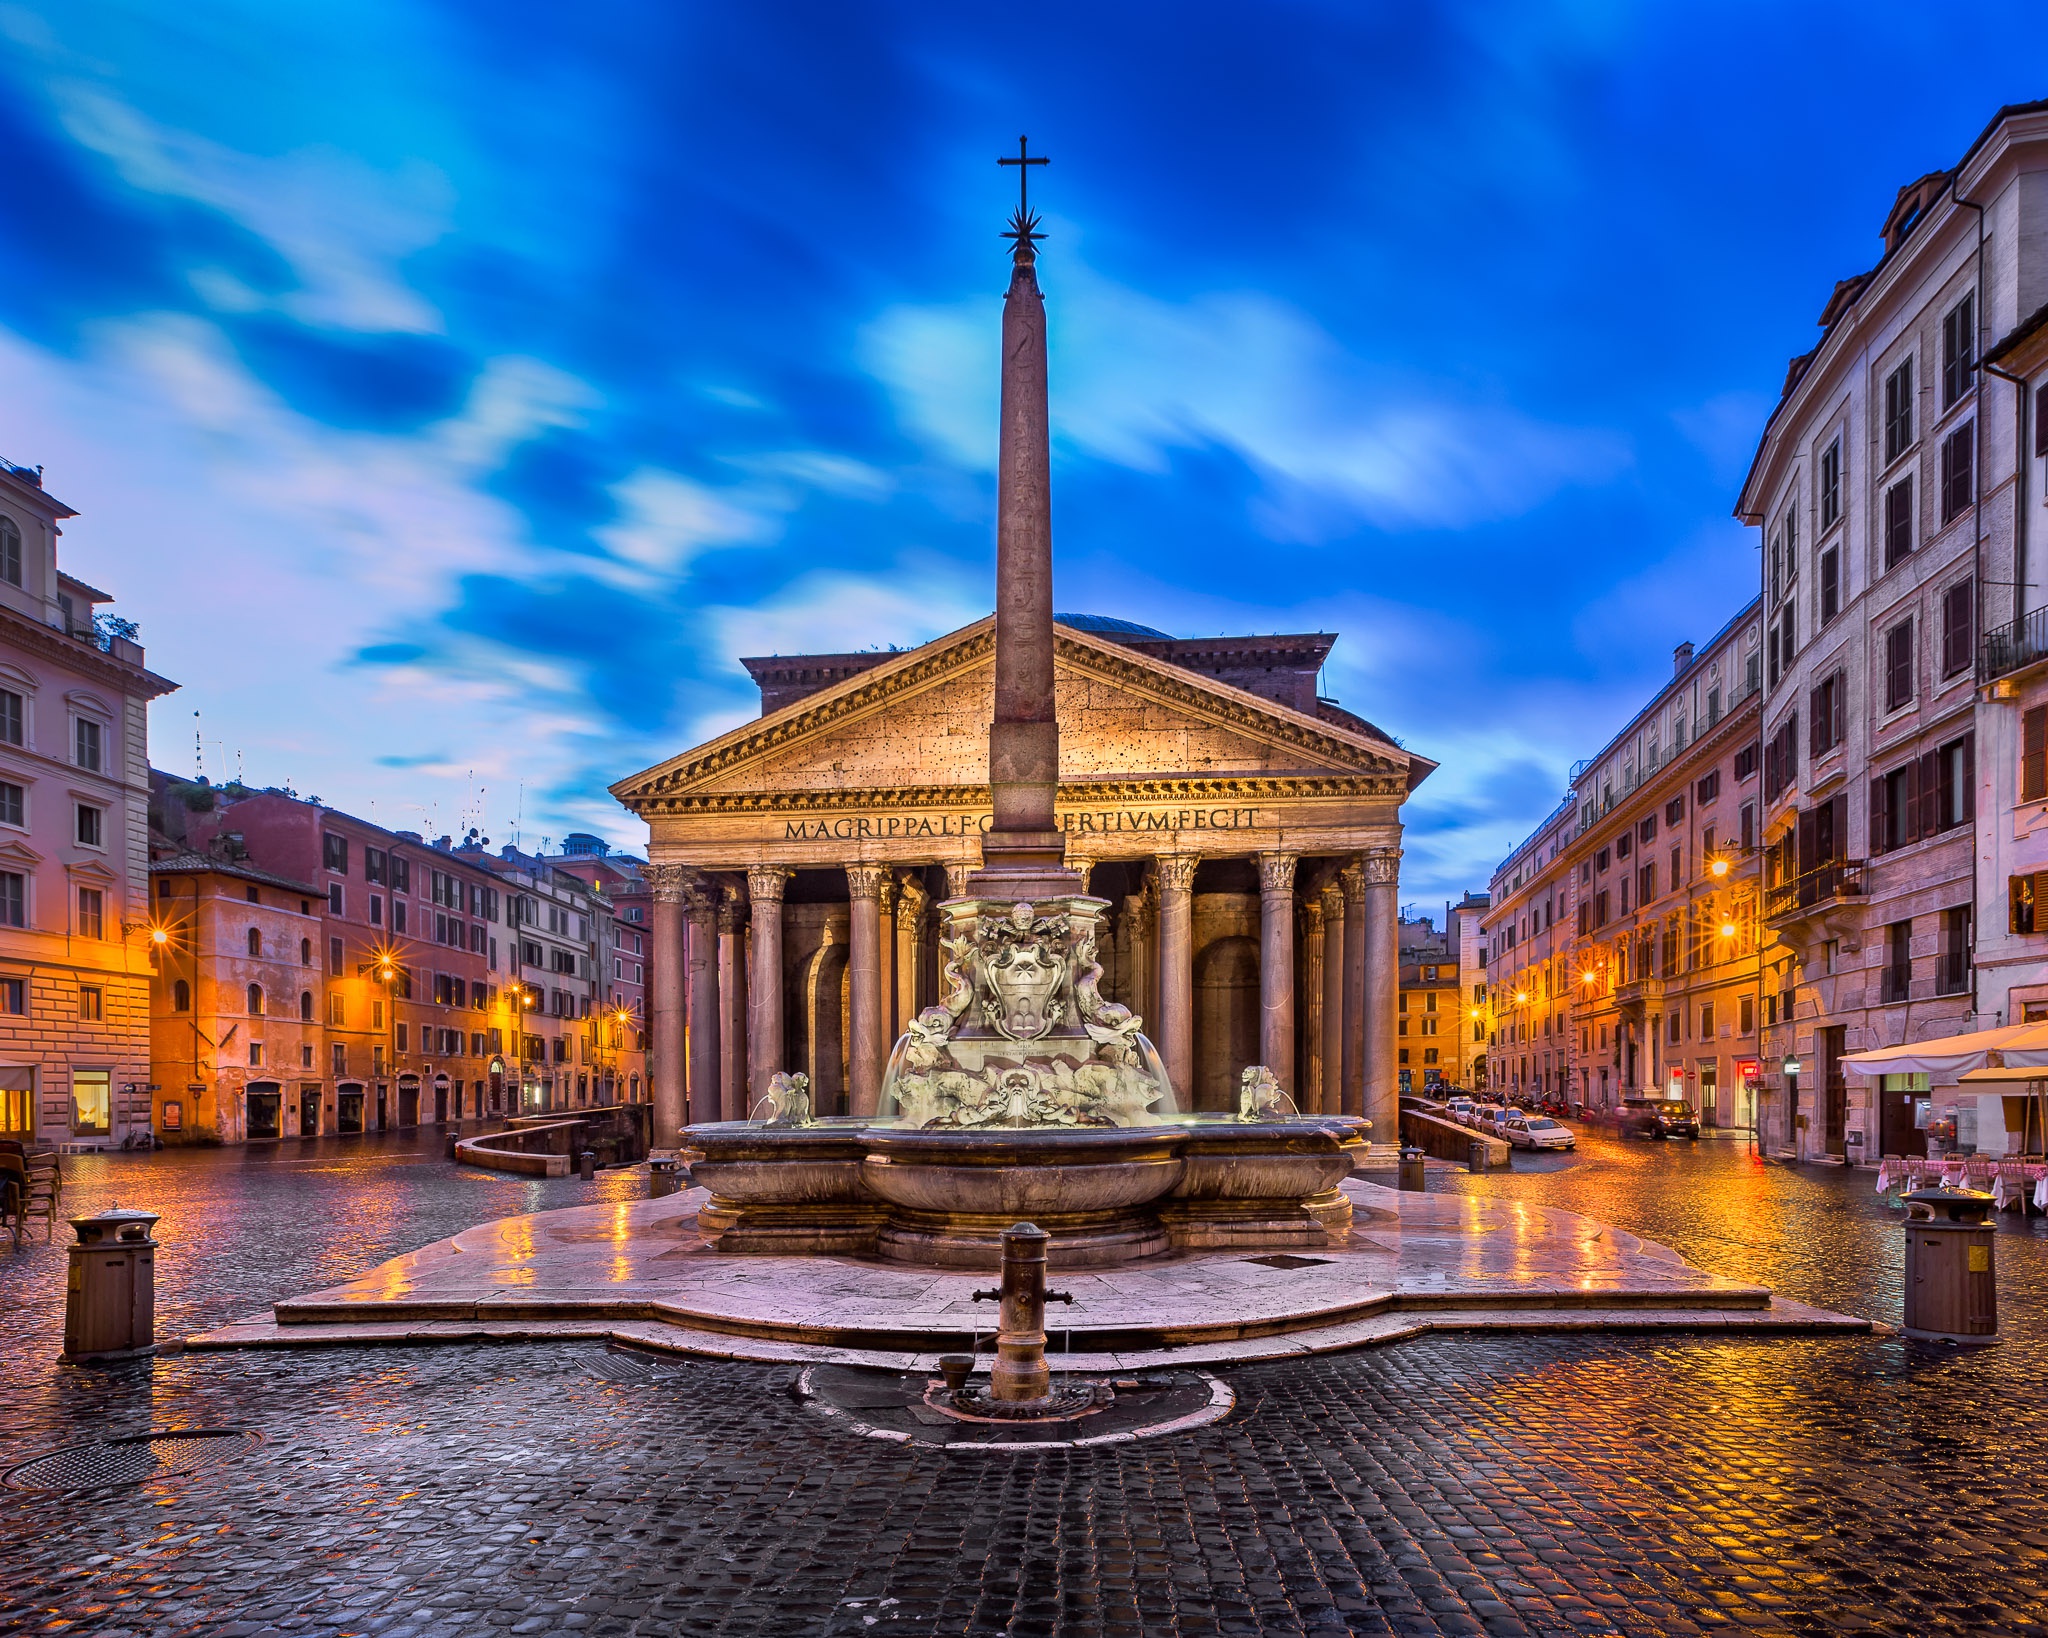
{"x":1639,"y":1485}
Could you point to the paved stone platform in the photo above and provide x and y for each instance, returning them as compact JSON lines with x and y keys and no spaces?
{"x":639,"y":1272}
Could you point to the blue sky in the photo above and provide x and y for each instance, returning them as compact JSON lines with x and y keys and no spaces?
{"x":453,"y":391}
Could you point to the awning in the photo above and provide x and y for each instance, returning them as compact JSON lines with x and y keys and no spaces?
{"x":2002,"y":1077}
{"x":2020,"y":1046}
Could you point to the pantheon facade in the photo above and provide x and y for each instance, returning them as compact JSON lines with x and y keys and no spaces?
{"x":1245,"y":832}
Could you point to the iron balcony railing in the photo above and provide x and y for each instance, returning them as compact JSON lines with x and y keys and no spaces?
{"x":2010,"y":647}
{"x":1841,"y":879}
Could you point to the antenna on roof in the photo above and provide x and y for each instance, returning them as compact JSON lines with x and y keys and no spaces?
{"x":198,"y":751}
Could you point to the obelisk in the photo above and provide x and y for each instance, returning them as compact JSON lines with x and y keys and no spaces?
{"x":1023,"y":853}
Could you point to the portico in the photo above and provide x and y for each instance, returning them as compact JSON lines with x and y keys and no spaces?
{"x":1245,"y":833}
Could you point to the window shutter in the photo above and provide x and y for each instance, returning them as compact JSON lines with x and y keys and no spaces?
{"x":1955,"y":636}
{"x":1877,"y":817}
{"x":1930,"y":795}
{"x":1817,"y":723}
{"x":2019,"y":898}
{"x":1792,"y":749}
{"x":1966,"y":799}
{"x":1807,"y":861}
{"x":2034,"y":754}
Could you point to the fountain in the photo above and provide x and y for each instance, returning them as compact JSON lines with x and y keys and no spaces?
{"x":1023,"y":1093}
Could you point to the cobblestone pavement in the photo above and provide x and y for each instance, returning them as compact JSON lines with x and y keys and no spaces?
{"x":1499,"y":1485}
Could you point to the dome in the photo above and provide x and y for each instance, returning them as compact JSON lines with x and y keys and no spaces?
{"x":1108,"y":625}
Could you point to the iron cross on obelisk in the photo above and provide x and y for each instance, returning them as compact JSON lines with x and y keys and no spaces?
{"x":1023,"y":222}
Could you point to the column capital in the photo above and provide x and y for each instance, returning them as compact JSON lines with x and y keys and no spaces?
{"x":1382,"y":866}
{"x":668,"y":882}
{"x":1312,"y":915}
{"x":912,"y":895}
{"x":703,"y":896}
{"x":1330,"y":892}
{"x":1352,"y":878}
{"x":1082,"y":866}
{"x":732,"y":913}
{"x":765,"y":883}
{"x":1176,"y":871}
{"x":885,"y":894}
{"x":1276,"y":872}
{"x":864,"y":881}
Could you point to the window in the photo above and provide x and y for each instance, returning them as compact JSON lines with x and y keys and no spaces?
{"x":1955,"y":787}
{"x":401,"y":874}
{"x":13,"y":804}
{"x":92,"y":918}
{"x":334,"y":899}
{"x":334,"y":955}
{"x":255,"y":1054}
{"x":399,"y":1034}
{"x":255,"y":1000}
{"x":1831,"y":485}
{"x":1827,"y":712}
{"x":306,"y":1006}
{"x":10,"y":552}
{"x":1600,"y":860}
{"x":1898,"y":411}
{"x":398,"y":915}
{"x":92,"y":1004}
{"x":88,"y":825}
{"x":92,"y":1101}
{"x":1898,"y":665}
{"x":376,"y":909}
{"x":85,"y":743}
{"x":1958,"y":638}
{"x":1671,"y":1027}
{"x":255,"y":942}
{"x":2033,"y":756}
{"x":1958,"y":471}
{"x":1622,"y":844}
{"x":1708,"y":790}
{"x":181,"y":996}
{"x":340,"y":1058}
{"x":11,"y":716}
{"x":1898,"y":960}
{"x":1745,"y":1015}
{"x":1646,"y":883}
{"x":1952,"y":968}
{"x":1898,"y":522}
{"x":13,"y":899}
{"x":1830,"y":584}
{"x":1781,"y":759}
{"x":1925,"y":796}
{"x":2027,"y":899}
{"x":373,"y":864}
{"x":1958,"y":350}
{"x":1706,"y":1020}
{"x":1674,"y":810}
{"x":337,"y":1009}
{"x":1788,"y":634}
{"x":334,"y":851}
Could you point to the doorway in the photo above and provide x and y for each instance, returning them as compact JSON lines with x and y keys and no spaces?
{"x":1710,"y":1092}
{"x":409,"y":1102}
{"x":1828,"y":1045}
{"x":1898,"y":1131}
{"x":309,"y":1111}
{"x":381,"y":1120}
{"x":441,"y":1104}
{"x":264,"y":1109}
{"x":1226,"y":1020}
{"x":348,"y":1109}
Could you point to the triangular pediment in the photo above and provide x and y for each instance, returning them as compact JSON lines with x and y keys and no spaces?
{"x":920,"y":720}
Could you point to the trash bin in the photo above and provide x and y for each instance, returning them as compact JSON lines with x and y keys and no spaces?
{"x":1951,"y":1280}
{"x":453,"y":1139}
{"x":661,"y":1178}
{"x":110,"y":1294}
{"x":1411,"y":1170}
{"x":1475,"y":1155}
{"x":587,"y":1164}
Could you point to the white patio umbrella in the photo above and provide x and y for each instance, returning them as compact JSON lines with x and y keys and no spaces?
{"x":2016,"y":1046}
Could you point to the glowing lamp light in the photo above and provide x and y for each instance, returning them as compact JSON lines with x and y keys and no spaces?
{"x":1718,"y":868}
{"x":1727,"y":929}
{"x":157,"y":935}
{"x":1521,"y":997}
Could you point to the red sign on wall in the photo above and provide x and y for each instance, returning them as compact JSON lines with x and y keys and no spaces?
{"x":1746,"y":1069}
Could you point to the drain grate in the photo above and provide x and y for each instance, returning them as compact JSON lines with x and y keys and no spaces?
{"x":1287,"y":1259}
{"x":632,"y":1369}
{"x":136,"y":1459}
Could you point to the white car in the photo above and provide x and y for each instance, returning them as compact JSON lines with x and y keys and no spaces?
{"x":1535,"y":1132}
{"x":1459,"y":1110}
{"x":1488,"y":1116}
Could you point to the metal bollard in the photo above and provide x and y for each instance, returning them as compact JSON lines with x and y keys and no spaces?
{"x":1951,"y":1280}
{"x":1475,"y":1155}
{"x":661,"y":1178}
{"x":587,"y":1164}
{"x":453,"y":1139}
{"x":1412,"y":1172}
{"x":110,"y":1292}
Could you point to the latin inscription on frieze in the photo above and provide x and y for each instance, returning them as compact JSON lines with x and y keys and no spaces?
{"x":972,"y":822}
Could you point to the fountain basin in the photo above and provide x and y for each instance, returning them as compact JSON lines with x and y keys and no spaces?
{"x":942,"y":1197}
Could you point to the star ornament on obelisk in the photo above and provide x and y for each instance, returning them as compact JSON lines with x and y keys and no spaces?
{"x":1023,"y":853}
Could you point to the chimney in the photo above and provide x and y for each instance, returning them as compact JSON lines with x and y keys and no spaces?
{"x":1681,"y":657}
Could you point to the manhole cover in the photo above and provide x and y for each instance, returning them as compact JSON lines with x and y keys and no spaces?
{"x":1287,"y":1259}
{"x":137,"y":1459}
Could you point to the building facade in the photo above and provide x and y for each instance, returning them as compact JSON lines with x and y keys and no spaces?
{"x":1892,"y":493}
{"x":1439,"y":1044}
{"x":75,"y":949}
{"x":1245,"y":832}
{"x":1527,"y":929}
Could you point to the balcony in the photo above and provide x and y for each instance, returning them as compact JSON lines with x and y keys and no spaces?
{"x":1632,"y":998}
{"x":1817,"y":890}
{"x":2023,"y":643}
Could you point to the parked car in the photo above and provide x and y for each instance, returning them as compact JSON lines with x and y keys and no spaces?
{"x":1659,"y":1118}
{"x":1486,"y":1117}
{"x":1460,"y":1110}
{"x":1537,"y":1132}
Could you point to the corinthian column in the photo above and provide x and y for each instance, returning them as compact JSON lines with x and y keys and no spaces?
{"x":732,"y":1009}
{"x":1276,"y":965}
{"x":1382,"y":990}
{"x":885,"y":963}
{"x":1310,"y":1098}
{"x":666,"y":977}
{"x":864,"y":986}
{"x":702,"y":916}
{"x":911,"y":901}
{"x":1353,"y":878}
{"x":1333,"y":996}
{"x":1176,"y":875}
{"x":764,"y":978}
